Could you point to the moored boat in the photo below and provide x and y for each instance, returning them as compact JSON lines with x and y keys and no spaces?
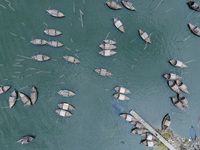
{"x":66,"y":106}
{"x":39,"y":42}
{"x":128,"y":117}
{"x":137,"y":124}
{"x":139,"y":131}
{"x":103,"y":72}
{"x":194,"y":29}
{"x":107,"y":46}
{"x":183,"y":100}
{"x":149,"y":143}
{"x":177,"y":63}
{"x":55,"y":44}
{"x":66,"y":93}
{"x":182,"y":86}
{"x":71,"y":59}
{"x":144,"y":36}
{"x":166,"y":122}
{"x":193,"y":5}
{"x":148,"y":136}
{"x":4,"y":89}
{"x":109,"y":42}
{"x":41,"y":57}
{"x":122,"y":90}
{"x":34,"y":95}
{"x":107,"y":52}
{"x":113,"y":5}
{"x":121,"y":97}
{"x":55,"y":13}
{"x":177,"y":103}
{"x":12,"y":99}
{"x":118,"y":24}
{"x":26,"y":139}
{"x":52,"y":32}
{"x":63,"y":113}
{"x":171,"y":76}
{"x":25,"y":99}
{"x":128,"y":5}
{"x":174,"y":87}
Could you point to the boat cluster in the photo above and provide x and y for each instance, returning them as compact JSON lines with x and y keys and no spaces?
{"x":121,"y":91}
{"x":108,"y":47}
{"x":177,"y":86}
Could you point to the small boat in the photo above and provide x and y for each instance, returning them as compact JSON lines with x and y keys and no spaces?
{"x":177,"y":103}
{"x":149,"y":143}
{"x":182,"y":86}
{"x":55,"y":13}
{"x":66,"y":106}
{"x":55,"y":44}
{"x":118,"y":24}
{"x":25,"y":99}
{"x":174,"y":87}
{"x":41,"y":57}
{"x":128,"y":117}
{"x":39,"y":42}
{"x":4,"y":89}
{"x":109,"y":42}
{"x":177,"y":63}
{"x":171,"y":76}
{"x":148,"y":136}
{"x":139,"y":131}
{"x":183,"y":100}
{"x":26,"y":139}
{"x":71,"y":59}
{"x":166,"y":122}
{"x":122,"y":90}
{"x":144,"y":36}
{"x":103,"y":72}
{"x":128,"y":5}
{"x":12,"y":99}
{"x":121,"y":97}
{"x":107,"y":46}
{"x":137,"y":124}
{"x":107,"y":52}
{"x":193,"y":5}
{"x":194,"y":29}
{"x":193,"y":134}
{"x":52,"y":32}
{"x":63,"y":113}
{"x":66,"y":93}
{"x":34,"y":95}
{"x":113,"y":5}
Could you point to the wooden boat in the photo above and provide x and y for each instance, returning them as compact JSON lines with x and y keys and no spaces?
{"x":137,"y":124}
{"x":52,"y":32}
{"x":71,"y":59}
{"x":177,"y":103}
{"x":166,"y":122}
{"x":26,"y":139}
{"x":174,"y":87}
{"x":177,"y":63}
{"x":41,"y":57}
{"x":107,"y":52}
{"x":144,"y":36}
{"x":193,"y":5}
{"x":182,"y":86}
{"x":171,"y":76}
{"x":103,"y":72}
{"x":148,"y":136}
{"x":149,"y":143}
{"x":12,"y":99}
{"x":55,"y":13}
{"x":34,"y":95}
{"x":183,"y":100}
{"x":66,"y":93}
{"x":121,"y":97}
{"x":113,"y":5}
{"x":63,"y":113}
{"x":55,"y":44}
{"x":4,"y":89}
{"x":109,"y":42}
{"x":66,"y":106}
{"x":128,"y":5}
{"x":107,"y":46}
{"x":122,"y":90}
{"x":39,"y":42}
{"x":25,"y":99}
{"x":194,"y":29}
{"x":128,"y":117}
{"x":118,"y":24}
{"x":139,"y":131}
